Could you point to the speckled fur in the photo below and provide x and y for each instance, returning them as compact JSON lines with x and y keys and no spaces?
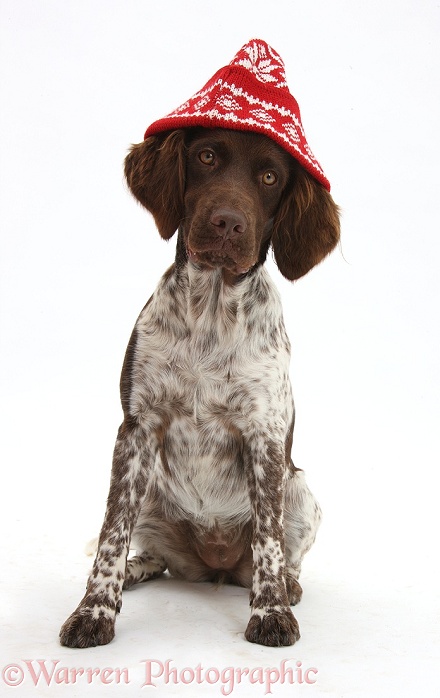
{"x":202,"y":481}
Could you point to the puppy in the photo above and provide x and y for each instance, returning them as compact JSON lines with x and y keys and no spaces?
{"x":202,"y":483}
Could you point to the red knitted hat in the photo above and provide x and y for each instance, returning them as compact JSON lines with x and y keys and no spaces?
{"x":249,"y":94}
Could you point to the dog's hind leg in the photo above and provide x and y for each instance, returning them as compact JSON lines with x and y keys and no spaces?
{"x":143,"y":567}
{"x":302,"y":517}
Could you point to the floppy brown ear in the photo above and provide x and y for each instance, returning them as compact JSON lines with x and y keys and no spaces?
{"x":306,"y":227}
{"x":155,"y":172}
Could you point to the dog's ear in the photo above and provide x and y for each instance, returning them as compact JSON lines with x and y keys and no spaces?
{"x":155,"y":172}
{"x":306,"y":226}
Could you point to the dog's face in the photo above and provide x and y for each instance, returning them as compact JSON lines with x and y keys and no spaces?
{"x":232,"y":194}
{"x":234,"y":184}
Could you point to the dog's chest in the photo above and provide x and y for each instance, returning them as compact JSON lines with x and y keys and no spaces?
{"x":203,"y":382}
{"x":200,"y":470}
{"x":199,"y":465}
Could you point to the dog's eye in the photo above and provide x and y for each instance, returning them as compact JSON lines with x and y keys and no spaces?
{"x":269,"y":178}
{"x":207,"y":157}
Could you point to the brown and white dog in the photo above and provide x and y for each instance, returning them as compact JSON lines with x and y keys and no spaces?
{"x":202,"y":483}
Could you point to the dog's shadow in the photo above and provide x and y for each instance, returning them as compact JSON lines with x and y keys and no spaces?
{"x":168,"y":605}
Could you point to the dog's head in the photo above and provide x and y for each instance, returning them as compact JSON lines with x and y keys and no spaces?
{"x":232,"y":194}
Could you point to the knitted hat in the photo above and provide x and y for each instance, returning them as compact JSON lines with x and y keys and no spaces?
{"x":249,"y":94}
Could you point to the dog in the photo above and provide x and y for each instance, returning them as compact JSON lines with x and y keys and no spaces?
{"x":202,"y":479}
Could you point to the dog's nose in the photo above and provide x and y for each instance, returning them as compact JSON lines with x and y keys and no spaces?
{"x":229,"y":222}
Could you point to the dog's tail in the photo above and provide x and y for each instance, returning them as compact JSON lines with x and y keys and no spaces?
{"x":91,"y":547}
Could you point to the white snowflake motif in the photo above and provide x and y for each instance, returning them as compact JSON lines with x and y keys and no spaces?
{"x":201,"y":103}
{"x":261,"y":115}
{"x":310,"y":154}
{"x":228,"y":103}
{"x":263,"y":64}
{"x":292,"y":132}
{"x":183,"y":107}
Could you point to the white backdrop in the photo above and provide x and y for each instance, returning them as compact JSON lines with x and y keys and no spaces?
{"x":80,"y":81}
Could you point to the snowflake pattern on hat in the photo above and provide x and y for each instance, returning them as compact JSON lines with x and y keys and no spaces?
{"x":262,"y":115}
{"x":263,"y":62}
{"x":228,"y":103}
{"x":249,"y":94}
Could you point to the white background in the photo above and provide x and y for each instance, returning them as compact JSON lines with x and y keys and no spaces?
{"x":80,"y":81}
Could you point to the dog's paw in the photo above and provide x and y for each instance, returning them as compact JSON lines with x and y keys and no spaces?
{"x":294,"y":591}
{"x":82,"y":629}
{"x":273,"y":629}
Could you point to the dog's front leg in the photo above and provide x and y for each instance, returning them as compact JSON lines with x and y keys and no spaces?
{"x":93,"y":622}
{"x":272,"y":622}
